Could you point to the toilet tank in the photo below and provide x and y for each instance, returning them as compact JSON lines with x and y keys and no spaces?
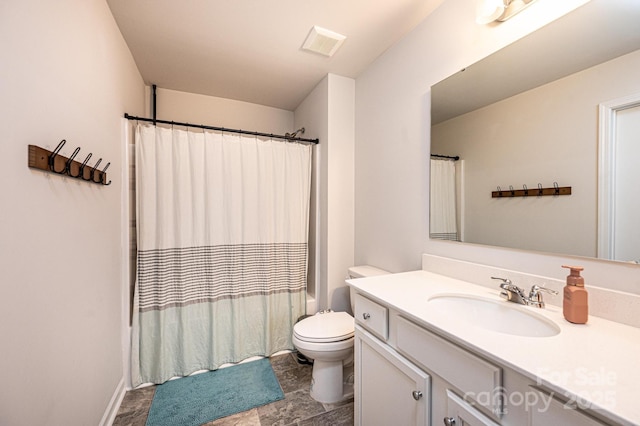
{"x":362,"y":271}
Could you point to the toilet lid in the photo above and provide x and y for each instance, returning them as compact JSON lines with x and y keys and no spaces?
{"x":326,"y":327}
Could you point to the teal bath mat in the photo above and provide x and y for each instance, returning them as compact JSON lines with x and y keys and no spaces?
{"x":205,"y":397}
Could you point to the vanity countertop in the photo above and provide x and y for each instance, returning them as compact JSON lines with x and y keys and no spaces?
{"x":595,"y":364}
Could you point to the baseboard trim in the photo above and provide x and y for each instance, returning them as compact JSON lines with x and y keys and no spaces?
{"x":114,"y":405}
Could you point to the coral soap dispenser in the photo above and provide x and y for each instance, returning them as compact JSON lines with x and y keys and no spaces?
{"x":575,"y":306}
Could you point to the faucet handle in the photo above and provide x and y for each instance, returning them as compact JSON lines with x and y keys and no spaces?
{"x":508,"y":285}
{"x":506,"y":282}
{"x":535,"y":298}
{"x":536,"y":289}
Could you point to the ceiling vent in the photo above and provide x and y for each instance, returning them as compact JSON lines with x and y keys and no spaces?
{"x":323,"y":41}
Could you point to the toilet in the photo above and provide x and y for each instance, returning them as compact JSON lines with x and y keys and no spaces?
{"x":327,"y":338}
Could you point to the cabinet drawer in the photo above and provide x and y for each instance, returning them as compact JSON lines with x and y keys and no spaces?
{"x":551,"y":411}
{"x":372,"y":316}
{"x":477,"y":379}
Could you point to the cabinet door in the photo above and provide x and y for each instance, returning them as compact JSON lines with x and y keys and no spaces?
{"x":460,"y":413}
{"x":389,"y":389}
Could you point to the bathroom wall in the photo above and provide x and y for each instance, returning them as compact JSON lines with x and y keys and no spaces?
{"x":313,"y":114}
{"x":193,"y":108}
{"x":537,"y":136}
{"x":66,"y":73}
{"x":328,"y":113}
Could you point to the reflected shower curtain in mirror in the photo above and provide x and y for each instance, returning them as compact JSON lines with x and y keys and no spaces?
{"x":222,"y":222}
{"x":442,"y":212}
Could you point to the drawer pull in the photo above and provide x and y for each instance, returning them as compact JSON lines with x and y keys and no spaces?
{"x":449,"y":421}
{"x":366,"y":315}
{"x":417,"y":395}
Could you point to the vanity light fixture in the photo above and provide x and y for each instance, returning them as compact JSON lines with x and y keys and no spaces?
{"x":488,"y":11}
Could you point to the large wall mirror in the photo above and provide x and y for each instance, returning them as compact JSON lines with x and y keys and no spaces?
{"x":528,"y":117}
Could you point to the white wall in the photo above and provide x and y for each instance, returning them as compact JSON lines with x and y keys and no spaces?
{"x":193,"y":108}
{"x":341,"y":186}
{"x":328,"y":113}
{"x":313,"y":115}
{"x":392,"y":144}
{"x":66,"y":73}
{"x":544,"y":135}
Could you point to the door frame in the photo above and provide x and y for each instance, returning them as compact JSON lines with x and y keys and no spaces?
{"x":607,"y":140}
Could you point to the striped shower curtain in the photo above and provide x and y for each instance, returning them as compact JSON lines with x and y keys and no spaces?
{"x":222,"y":223}
{"x":442,"y":212}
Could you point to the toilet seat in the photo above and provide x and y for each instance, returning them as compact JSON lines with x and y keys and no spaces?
{"x":325,"y":328}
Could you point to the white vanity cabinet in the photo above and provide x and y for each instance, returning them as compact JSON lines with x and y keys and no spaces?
{"x":393,"y":385}
{"x":407,"y":375}
{"x":389,"y":389}
{"x":416,"y":366}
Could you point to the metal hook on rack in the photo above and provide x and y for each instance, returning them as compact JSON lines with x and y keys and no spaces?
{"x":67,"y":166}
{"x":103,"y":178}
{"x":513,"y":193}
{"x":81,"y":168}
{"x":556,"y":188}
{"x":539,"y":190}
{"x":93,"y":170}
{"x":98,"y":174}
{"x":499,"y":191}
{"x":52,"y":157}
{"x":526,"y":191}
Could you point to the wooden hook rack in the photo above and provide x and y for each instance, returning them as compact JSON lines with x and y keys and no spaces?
{"x":533,"y":192}
{"x":43,"y":159}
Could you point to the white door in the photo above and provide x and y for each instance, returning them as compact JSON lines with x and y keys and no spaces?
{"x":618,"y":178}
{"x":626,"y":209}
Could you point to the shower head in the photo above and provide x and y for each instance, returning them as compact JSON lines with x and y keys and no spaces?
{"x":294,"y":134}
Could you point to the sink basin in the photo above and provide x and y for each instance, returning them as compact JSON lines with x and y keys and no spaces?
{"x":495,"y":315}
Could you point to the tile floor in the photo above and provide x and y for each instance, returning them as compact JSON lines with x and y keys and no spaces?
{"x":297,"y":407}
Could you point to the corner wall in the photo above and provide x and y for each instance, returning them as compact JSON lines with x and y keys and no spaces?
{"x":328,"y":113}
{"x":67,"y":74}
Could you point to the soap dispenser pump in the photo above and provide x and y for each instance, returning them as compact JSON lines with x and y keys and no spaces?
{"x":575,"y":306}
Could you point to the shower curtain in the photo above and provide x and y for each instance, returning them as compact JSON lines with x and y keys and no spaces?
{"x":222,"y":222}
{"x":442,"y":212}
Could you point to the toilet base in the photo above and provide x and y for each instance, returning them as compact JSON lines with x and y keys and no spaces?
{"x":327,"y":382}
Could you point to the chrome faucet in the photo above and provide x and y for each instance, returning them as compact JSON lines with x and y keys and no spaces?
{"x":515,"y":294}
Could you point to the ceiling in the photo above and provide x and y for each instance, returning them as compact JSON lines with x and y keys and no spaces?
{"x":250,"y":50}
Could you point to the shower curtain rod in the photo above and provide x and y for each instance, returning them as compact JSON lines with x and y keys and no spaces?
{"x":448,"y":157}
{"x":221,"y":129}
